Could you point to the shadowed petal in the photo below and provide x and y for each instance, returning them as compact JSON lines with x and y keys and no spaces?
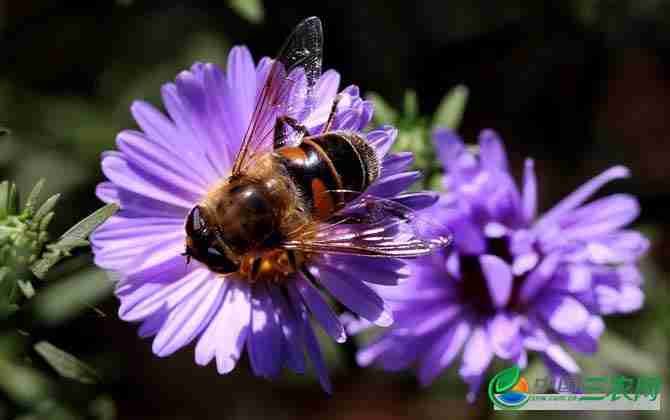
{"x":264,"y":343}
{"x":355,"y":295}
{"x":319,"y":309}
{"x":443,"y":352}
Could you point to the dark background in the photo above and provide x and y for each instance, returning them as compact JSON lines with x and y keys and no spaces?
{"x":580,"y":85}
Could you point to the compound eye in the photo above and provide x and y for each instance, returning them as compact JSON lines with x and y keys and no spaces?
{"x":195,"y":224}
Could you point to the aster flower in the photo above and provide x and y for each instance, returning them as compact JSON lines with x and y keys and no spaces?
{"x":513,"y":282}
{"x":159,"y":174}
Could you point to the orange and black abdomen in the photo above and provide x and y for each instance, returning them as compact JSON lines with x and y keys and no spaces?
{"x":321,"y":165}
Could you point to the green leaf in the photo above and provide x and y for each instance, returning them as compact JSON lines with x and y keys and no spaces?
{"x":84,"y":228}
{"x":66,"y":364}
{"x":46,"y":208}
{"x":22,"y":384}
{"x":31,"y":202}
{"x":620,"y":354}
{"x":384,"y":112}
{"x":75,"y":237}
{"x":8,"y":198}
{"x":411,"y":105}
{"x":450,"y":111}
{"x":66,"y":299}
{"x":251,"y":10}
{"x":506,"y":379}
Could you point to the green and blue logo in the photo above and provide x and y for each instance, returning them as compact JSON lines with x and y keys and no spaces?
{"x":508,"y":389}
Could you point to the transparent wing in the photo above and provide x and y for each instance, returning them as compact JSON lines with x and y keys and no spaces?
{"x":288,"y":90}
{"x":374,"y":227}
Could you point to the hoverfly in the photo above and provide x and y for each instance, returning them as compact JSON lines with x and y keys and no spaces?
{"x":293,"y":194}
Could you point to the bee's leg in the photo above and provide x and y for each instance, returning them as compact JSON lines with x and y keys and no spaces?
{"x":280,"y":135}
{"x":331,"y":115}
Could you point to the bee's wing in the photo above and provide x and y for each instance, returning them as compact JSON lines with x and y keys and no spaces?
{"x":288,"y":90}
{"x":374,"y":227}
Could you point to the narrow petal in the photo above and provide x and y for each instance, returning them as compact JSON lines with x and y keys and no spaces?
{"x":529,"y":192}
{"x":320,"y":310}
{"x":477,"y":354}
{"x":499,"y":279}
{"x":382,"y":139}
{"x":443,"y":352}
{"x":394,"y":184}
{"x":562,"y":359}
{"x":581,"y":194}
{"x":449,"y":147}
{"x":264,"y":344}
{"x":189,"y":318}
{"x":355,"y":295}
{"x":151,"y":297}
{"x":599,"y":217}
{"x":311,"y":343}
{"x":292,"y":345}
{"x":491,"y":151}
{"x":226,"y":334}
{"x":118,"y":170}
{"x":538,"y":278}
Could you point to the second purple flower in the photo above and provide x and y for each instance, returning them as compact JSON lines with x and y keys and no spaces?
{"x":514,"y":282}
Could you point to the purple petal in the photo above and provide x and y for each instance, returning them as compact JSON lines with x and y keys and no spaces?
{"x":443,"y":352}
{"x":417,"y":201}
{"x":581,"y":194}
{"x":382,"y":139}
{"x":154,"y":186}
{"x":561,"y":359}
{"x":449,"y":147}
{"x":599,"y":217}
{"x":499,"y":279}
{"x":150,"y":297}
{"x":264,"y":343}
{"x":394,"y":184}
{"x":539,"y":277}
{"x":491,"y":151}
{"x":565,"y":314}
{"x":477,"y":354}
{"x":292,"y":345}
{"x":529,"y":191}
{"x":587,"y":340}
{"x":355,"y":295}
{"x":189,"y":318}
{"x":631,"y":299}
{"x":468,"y":238}
{"x":227,"y":332}
{"x":385,"y":271}
{"x":396,"y":162}
{"x":320,"y":310}
{"x":311,"y":343}
{"x":504,"y":331}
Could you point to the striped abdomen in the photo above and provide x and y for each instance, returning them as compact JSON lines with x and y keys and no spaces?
{"x":325,"y":164}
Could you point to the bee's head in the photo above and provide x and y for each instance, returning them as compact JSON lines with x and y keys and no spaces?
{"x":204,"y":244}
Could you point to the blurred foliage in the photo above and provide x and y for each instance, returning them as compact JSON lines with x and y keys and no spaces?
{"x":26,"y":255}
{"x":415,"y":130}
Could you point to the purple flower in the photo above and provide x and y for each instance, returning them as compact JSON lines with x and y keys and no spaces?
{"x":513,"y":282}
{"x":158,"y":174}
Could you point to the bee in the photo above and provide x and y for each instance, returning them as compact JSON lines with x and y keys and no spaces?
{"x":291,"y":194}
